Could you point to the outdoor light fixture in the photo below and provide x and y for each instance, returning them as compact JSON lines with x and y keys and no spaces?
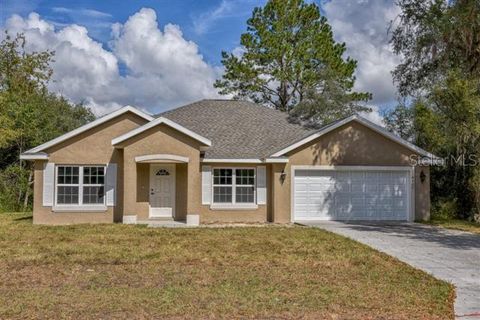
{"x":423,"y":176}
{"x":283,"y":175}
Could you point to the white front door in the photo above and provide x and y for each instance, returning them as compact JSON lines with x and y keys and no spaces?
{"x":162,"y":190}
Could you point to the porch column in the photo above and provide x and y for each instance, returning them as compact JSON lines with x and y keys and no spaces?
{"x":194,"y":188}
{"x":129,"y":185}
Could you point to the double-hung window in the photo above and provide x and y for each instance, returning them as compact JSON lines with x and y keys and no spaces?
{"x":80,"y":185}
{"x":234,"y":186}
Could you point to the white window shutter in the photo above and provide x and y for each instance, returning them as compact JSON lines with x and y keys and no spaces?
{"x":111,"y":184}
{"x":261,"y":185}
{"x":206,"y":184}
{"x":48,"y":184}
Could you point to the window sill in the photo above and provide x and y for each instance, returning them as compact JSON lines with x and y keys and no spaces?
{"x":99,"y":208}
{"x":233,"y":207}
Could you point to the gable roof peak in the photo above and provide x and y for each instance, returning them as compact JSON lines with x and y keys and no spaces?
{"x":89,"y":126}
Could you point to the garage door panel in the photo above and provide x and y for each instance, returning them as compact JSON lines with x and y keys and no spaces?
{"x":351,"y":195}
{"x":318,"y":187}
{"x":301,"y":187}
{"x":399,"y":203}
{"x":358,"y":186}
{"x":399,"y":191}
{"x":342,"y":186}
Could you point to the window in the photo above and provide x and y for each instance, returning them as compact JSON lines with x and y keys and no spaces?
{"x":68,"y":185}
{"x":80,"y":185}
{"x":222,"y":185}
{"x":233,"y":186}
{"x":245,"y":186}
{"x":162,"y":172}
{"x":93,"y":185}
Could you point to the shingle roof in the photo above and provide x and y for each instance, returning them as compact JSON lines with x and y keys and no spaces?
{"x":238,"y":129}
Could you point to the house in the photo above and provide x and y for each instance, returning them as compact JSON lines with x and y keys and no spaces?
{"x":226,"y":161}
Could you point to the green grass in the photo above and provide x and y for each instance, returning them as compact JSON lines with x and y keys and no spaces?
{"x":120,"y":271}
{"x":456,"y":224}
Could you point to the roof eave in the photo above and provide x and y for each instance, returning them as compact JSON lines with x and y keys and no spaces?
{"x":34,"y":156}
{"x":363,"y":121}
{"x":89,"y":126}
{"x":159,"y":121}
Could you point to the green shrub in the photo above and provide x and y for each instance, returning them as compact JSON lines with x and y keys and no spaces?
{"x":445,"y":209}
{"x":13,"y":188}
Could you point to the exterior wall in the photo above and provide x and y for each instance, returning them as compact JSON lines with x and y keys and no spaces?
{"x":281,"y":193}
{"x":91,"y":147}
{"x":260,"y":214}
{"x":422,"y":194}
{"x":161,"y":139}
{"x":181,"y":186}
{"x":352,"y":144}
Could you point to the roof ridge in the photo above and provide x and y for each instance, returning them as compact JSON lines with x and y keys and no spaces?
{"x":229,"y":100}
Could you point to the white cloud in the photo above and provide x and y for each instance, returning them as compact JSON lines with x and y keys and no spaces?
{"x":363,"y":26}
{"x":162,"y":68}
{"x":227,"y":10}
{"x":203,"y":22}
{"x":61,"y":10}
{"x":374,"y":116}
{"x":238,"y":51}
{"x":95,"y":13}
{"x":85,"y":12}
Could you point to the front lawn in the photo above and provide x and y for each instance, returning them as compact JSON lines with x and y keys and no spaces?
{"x":120,"y":271}
{"x":456,"y":224}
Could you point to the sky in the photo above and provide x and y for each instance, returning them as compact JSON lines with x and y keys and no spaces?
{"x":161,"y":54}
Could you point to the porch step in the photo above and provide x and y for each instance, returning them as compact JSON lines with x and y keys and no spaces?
{"x":167,"y":224}
{"x":160,"y":219}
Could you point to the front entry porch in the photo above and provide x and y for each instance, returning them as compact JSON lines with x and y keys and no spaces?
{"x":161,"y":190}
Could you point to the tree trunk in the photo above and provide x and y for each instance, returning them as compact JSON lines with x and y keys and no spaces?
{"x":27,"y":192}
{"x":19,"y":199}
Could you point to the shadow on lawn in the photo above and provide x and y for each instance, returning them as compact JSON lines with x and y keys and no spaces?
{"x":24,"y":218}
{"x":446,"y":238}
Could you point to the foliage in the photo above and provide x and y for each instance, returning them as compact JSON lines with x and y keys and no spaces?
{"x":29,"y":116}
{"x":434,"y":37}
{"x":289,"y":50}
{"x":444,"y":209}
{"x":400,"y":121}
{"x":439,"y":42}
{"x":14,"y":182}
{"x":455,"y":224}
{"x":474,"y":185}
{"x":446,"y":122}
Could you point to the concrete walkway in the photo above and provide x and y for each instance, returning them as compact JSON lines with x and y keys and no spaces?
{"x":449,"y":255}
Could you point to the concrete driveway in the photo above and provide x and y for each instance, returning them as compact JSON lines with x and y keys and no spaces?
{"x":449,"y":255}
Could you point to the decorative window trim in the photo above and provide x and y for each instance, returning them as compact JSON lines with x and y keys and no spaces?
{"x":234,"y":205}
{"x":80,"y":206}
{"x":162,"y":172}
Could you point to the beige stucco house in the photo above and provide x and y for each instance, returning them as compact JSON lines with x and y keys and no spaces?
{"x":226,"y":161}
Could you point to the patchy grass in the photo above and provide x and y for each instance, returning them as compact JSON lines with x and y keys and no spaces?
{"x":125,"y":271}
{"x":456,"y":224}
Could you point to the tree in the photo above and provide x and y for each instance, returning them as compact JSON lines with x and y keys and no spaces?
{"x":434,"y":37}
{"x":289,"y":54}
{"x":439,"y":42}
{"x":29,"y":115}
{"x":400,"y":121}
{"x":448,"y":122}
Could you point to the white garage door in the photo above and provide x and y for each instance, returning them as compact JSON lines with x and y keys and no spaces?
{"x":351,"y":195}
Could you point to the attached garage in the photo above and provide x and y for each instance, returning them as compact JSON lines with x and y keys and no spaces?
{"x":352,"y":193}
